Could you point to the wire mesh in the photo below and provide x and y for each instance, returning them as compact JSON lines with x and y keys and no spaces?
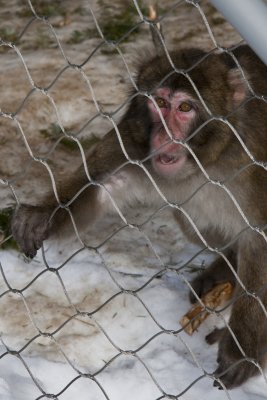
{"x":45,"y":316}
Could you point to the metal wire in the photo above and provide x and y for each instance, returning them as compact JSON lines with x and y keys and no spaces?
{"x":165,"y":268}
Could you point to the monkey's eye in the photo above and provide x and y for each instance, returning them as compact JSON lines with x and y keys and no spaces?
{"x":161,"y":102}
{"x":185,"y":106}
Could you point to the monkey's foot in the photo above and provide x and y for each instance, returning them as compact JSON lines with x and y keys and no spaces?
{"x":30,"y":227}
{"x":233,"y":374}
{"x":234,"y":368}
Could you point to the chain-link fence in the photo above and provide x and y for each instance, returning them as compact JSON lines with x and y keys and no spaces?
{"x":97,"y":316}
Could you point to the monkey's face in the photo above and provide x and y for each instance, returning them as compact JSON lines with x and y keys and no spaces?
{"x":173,"y":113}
{"x":181,"y":124}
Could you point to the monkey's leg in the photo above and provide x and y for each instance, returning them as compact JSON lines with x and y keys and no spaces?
{"x":247,"y":345}
{"x":218,"y":272}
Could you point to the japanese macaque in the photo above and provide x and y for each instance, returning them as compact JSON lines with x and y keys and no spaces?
{"x":194,"y":134}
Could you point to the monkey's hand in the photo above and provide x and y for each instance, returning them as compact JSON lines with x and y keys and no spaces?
{"x":218,"y":272}
{"x":234,"y":368}
{"x":30,"y":227}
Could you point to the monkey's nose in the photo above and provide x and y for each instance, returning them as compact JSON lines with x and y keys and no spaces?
{"x":165,"y":137}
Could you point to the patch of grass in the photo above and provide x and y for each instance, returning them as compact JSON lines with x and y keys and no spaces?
{"x":80,"y":10}
{"x":5,"y":218}
{"x":217,"y":20}
{"x":46,"y":8}
{"x":54,"y":132}
{"x":118,"y":23}
{"x":80,"y":36}
{"x":43,"y":40}
{"x":209,"y":10}
{"x":8,"y":34}
{"x":108,"y":51}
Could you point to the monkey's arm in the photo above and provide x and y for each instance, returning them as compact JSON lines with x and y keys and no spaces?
{"x":85,"y":199}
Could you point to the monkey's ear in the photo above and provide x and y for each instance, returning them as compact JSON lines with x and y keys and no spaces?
{"x":238,"y":84}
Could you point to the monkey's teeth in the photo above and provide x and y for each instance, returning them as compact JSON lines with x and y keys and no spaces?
{"x":167,"y":159}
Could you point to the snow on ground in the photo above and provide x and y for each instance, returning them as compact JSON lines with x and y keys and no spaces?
{"x":97,"y":283}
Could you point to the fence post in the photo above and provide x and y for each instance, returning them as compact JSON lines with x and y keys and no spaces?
{"x":249,"y":17}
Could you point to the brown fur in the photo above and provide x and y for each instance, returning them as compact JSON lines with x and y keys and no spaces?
{"x":210,"y":208}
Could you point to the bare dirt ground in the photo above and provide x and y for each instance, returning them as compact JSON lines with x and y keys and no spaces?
{"x":33,"y":116}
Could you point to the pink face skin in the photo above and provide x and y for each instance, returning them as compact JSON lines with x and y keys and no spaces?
{"x":178,"y":111}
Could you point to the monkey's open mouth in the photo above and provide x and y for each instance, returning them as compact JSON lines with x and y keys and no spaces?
{"x":167,"y":159}
{"x":168,"y":164}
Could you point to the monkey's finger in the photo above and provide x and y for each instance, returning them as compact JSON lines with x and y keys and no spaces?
{"x":35,"y":234}
{"x":26,"y":239}
{"x":30,"y":228}
{"x":201,"y":285}
{"x":28,"y":246}
{"x":19,"y":226}
{"x":40,"y":235}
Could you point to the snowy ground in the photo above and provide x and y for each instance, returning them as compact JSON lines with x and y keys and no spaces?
{"x":119,"y":322}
